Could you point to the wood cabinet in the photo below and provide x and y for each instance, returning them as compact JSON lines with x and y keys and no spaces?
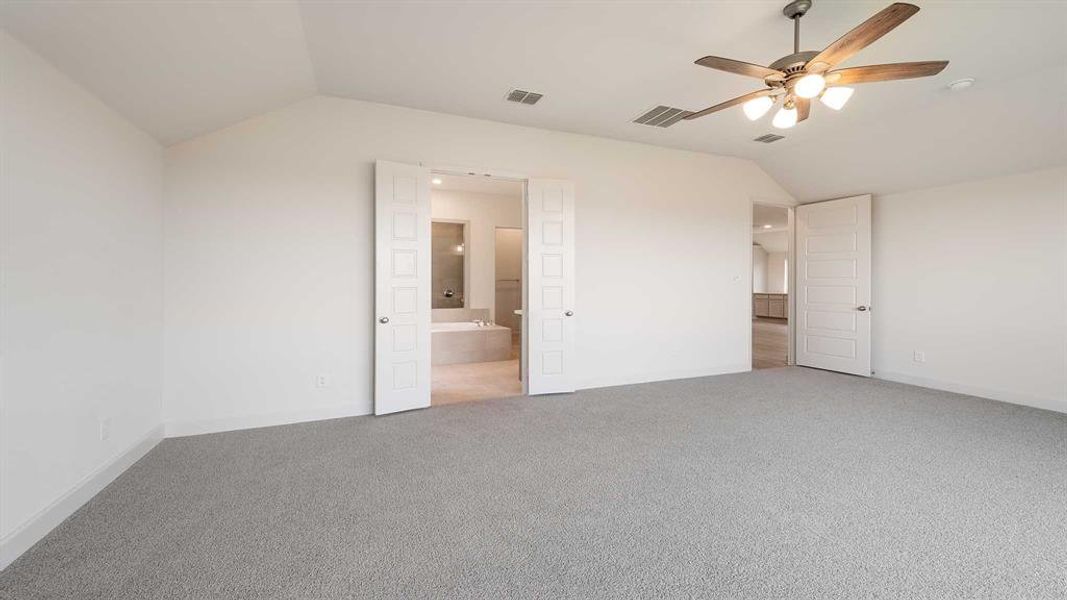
{"x":770,"y":305}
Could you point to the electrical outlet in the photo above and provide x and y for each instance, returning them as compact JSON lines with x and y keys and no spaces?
{"x":105,"y":428}
{"x":919,"y":357}
{"x":322,"y":381}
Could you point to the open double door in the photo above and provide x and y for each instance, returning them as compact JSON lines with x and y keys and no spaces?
{"x":402,"y":287}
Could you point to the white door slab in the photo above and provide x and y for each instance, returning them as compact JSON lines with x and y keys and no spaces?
{"x":550,"y":311}
{"x":402,"y":287}
{"x":833,"y":289}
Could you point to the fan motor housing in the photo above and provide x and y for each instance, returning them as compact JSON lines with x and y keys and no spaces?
{"x":793,"y":63}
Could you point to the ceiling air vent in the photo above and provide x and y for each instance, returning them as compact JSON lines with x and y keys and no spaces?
{"x":768,"y":138}
{"x":662,"y":116}
{"x":523,"y":97}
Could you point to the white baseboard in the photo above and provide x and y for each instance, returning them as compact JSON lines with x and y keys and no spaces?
{"x":36,"y":527}
{"x":1058,"y":405}
{"x":635,"y":378}
{"x":201,"y":426}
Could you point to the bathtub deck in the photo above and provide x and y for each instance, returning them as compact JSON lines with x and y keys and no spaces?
{"x":454,"y":343}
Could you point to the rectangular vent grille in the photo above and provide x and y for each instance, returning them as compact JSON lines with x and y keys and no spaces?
{"x":768,"y":138}
{"x":662,"y":116}
{"x":523,"y":97}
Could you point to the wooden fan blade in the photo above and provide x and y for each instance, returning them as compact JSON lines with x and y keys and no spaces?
{"x":803,"y":106}
{"x":861,"y":37}
{"x":738,"y":67}
{"x":729,"y":103}
{"x":891,"y":72}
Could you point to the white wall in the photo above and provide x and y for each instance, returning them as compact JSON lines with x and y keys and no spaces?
{"x":759,"y":270}
{"x":269,"y":255}
{"x":81,"y":248}
{"x":974,"y":275}
{"x":484,"y":212}
{"x":776,"y":272}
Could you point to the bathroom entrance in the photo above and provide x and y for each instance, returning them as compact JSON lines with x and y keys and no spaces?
{"x":476,"y":288}
{"x":445,"y":327}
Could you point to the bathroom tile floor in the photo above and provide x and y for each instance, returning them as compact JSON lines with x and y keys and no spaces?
{"x":477,"y":381}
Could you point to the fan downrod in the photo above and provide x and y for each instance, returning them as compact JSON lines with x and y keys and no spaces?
{"x":794,"y":62}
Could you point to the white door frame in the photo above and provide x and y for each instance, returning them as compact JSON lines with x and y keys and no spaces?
{"x":790,"y":275}
{"x":445,"y":169}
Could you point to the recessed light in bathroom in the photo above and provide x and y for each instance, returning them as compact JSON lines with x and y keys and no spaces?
{"x":436,"y":181}
{"x":768,"y":226}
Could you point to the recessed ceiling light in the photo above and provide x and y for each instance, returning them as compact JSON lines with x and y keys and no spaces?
{"x":436,"y":181}
{"x":768,"y":226}
{"x":961,"y":84}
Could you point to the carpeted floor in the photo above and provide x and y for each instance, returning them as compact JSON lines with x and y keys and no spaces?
{"x":782,"y":483}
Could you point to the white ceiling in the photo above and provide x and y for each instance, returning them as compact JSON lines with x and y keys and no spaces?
{"x":180,"y":69}
{"x":175,"y":69}
{"x":775,"y":216}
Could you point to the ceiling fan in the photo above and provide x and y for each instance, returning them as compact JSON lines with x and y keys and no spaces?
{"x":800,"y":77}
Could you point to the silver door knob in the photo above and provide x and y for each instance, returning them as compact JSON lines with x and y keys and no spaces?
{"x":569,"y":313}
{"x":861,"y":308}
{"x":383,"y":320}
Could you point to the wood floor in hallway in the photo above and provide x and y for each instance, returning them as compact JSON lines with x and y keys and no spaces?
{"x":770,"y":340}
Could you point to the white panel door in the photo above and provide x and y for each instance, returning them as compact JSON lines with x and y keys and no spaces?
{"x":402,"y":287}
{"x":550,"y":312}
{"x":833,"y":289}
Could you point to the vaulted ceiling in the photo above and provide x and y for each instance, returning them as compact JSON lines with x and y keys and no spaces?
{"x":182,"y":69}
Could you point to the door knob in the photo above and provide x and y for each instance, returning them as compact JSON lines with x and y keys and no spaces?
{"x":861,"y":308}
{"x":383,"y":320}
{"x":569,"y":313}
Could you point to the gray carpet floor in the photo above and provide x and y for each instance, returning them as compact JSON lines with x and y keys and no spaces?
{"x":783,"y":483}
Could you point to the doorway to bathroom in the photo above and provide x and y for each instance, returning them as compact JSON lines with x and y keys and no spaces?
{"x":771,"y":259}
{"x":476,"y":288}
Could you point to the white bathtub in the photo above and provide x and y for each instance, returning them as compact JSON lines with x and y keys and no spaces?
{"x":463,"y":342}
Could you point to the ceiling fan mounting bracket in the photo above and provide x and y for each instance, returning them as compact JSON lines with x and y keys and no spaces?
{"x":796,"y":8}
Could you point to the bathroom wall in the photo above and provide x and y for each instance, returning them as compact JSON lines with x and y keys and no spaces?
{"x":483,"y":213}
{"x":509,"y":277}
{"x":448,"y":265}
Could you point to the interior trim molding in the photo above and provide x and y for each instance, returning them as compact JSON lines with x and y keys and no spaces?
{"x":1053,"y":404}
{"x":48,"y":518}
{"x":236,"y":423}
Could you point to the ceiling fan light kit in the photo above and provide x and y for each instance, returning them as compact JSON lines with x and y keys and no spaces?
{"x":757,"y":107}
{"x":786,"y":118}
{"x":802,"y":76}
{"x":809,"y":86}
{"x":836,"y":97}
